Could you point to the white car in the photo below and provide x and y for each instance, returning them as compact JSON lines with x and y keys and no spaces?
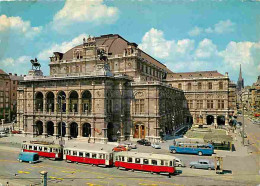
{"x":156,"y":146}
{"x":179,"y":163}
{"x":3,"y":134}
{"x":131,"y":145}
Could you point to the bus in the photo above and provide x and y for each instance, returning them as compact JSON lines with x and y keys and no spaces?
{"x":155,"y":163}
{"x":191,"y":148}
{"x":93,"y":157}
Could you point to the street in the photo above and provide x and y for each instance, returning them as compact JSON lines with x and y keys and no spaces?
{"x":62,"y":173}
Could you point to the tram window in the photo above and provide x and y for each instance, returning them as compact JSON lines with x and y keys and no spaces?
{"x":146,"y":161}
{"x":130,"y":160}
{"x":50,"y":149}
{"x":80,"y":154}
{"x":162,"y":162}
{"x":170,"y":163}
{"x":94,"y":155}
{"x":154,"y":162}
{"x":166,"y":163}
{"x":111,"y":156}
{"x":116,"y":158}
{"x":101,"y":156}
{"x":74,"y":153}
{"x":45,"y":149}
{"x":34,"y":147}
{"x":54,"y":150}
{"x":122,"y":158}
{"x":137,"y":160}
{"x":87,"y":155}
{"x":40,"y":148}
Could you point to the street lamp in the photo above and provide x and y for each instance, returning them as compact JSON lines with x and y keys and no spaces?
{"x":243,"y":124}
{"x":61,"y":124}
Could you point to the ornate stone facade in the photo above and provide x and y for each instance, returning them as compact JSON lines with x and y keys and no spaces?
{"x":105,"y":89}
{"x":210,"y":95}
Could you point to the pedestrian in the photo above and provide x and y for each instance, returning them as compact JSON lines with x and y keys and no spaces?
{"x":7,"y":183}
{"x":89,"y":140}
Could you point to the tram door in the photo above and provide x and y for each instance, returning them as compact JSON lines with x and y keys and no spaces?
{"x":139,"y":131}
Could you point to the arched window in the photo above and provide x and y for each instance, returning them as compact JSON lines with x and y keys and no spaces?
{"x":220,"y":85}
{"x":199,"y":86}
{"x":210,"y":86}
{"x":139,"y":106}
{"x":86,"y":102}
{"x":189,"y":86}
{"x":179,"y":86}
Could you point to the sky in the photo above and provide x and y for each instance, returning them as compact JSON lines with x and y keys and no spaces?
{"x":185,"y":35}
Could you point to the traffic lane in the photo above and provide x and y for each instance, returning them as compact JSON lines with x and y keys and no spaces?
{"x":253,"y":135}
{"x":60,"y":172}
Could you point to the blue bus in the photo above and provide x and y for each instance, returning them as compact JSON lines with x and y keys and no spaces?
{"x":191,"y":148}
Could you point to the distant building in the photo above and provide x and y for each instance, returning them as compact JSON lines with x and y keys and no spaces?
{"x":210,"y":95}
{"x":8,"y":95}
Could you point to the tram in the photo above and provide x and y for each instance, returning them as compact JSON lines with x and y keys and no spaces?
{"x":43,"y":149}
{"x":154,"y":163}
{"x":99,"y":158}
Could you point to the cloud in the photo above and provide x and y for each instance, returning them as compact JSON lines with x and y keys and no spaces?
{"x":221,"y":27}
{"x":63,"y":47}
{"x":206,"y":49}
{"x":195,"y":31}
{"x":17,"y":25}
{"x":16,"y":65}
{"x":85,"y":11}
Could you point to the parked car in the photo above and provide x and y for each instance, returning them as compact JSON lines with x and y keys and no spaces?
{"x":144,"y":142}
{"x":3,"y":134}
{"x":30,"y":157}
{"x":131,"y":145}
{"x":202,"y":164}
{"x":156,"y":146}
{"x":16,"y":132}
{"x":119,"y":148}
{"x":179,"y":163}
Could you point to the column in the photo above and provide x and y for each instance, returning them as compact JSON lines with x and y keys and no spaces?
{"x":67,"y":105}
{"x":44,"y":133}
{"x":194,"y":119}
{"x":226,"y":119}
{"x":79,"y":130}
{"x":55,"y":134}
{"x":215,"y":121}
{"x":44,"y":104}
{"x":204,"y":119}
{"x":67,"y":131}
{"x":80,"y":106}
{"x":55,"y":104}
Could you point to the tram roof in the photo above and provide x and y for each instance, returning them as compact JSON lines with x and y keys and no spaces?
{"x":86,"y":150}
{"x":45,"y":145}
{"x":145,"y":155}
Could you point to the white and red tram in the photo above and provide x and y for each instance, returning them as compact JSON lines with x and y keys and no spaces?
{"x":43,"y":149}
{"x":100,"y":158}
{"x":156,"y":163}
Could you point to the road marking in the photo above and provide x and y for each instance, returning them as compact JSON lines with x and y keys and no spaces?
{"x":23,"y":172}
{"x":92,"y":184}
{"x":72,"y":172}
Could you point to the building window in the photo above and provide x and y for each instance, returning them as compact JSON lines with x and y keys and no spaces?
{"x":220,"y":85}
{"x":179,"y":86}
{"x":221,"y":104}
{"x":210,"y":86}
{"x":139,"y":106}
{"x":199,"y":104}
{"x":189,"y":86}
{"x":199,"y":86}
{"x":14,"y":82}
{"x":190,"y":104}
{"x":210,"y":104}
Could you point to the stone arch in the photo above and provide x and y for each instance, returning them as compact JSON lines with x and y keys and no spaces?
{"x":73,"y":129}
{"x":63,"y":129}
{"x":221,"y":120}
{"x":86,"y":130}
{"x":39,"y":127}
{"x":110,"y":131}
{"x":210,"y":119}
{"x":50,"y":128}
{"x":86,"y":101}
{"x":73,"y":101}
{"x":61,"y":99}
{"x":50,"y":101}
{"x":39,"y":101}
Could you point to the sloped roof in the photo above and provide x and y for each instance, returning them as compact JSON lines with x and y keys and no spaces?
{"x":116,"y":45}
{"x":3,"y":72}
{"x":195,"y":74}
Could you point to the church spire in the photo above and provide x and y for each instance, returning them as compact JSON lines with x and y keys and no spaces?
{"x":240,"y":82}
